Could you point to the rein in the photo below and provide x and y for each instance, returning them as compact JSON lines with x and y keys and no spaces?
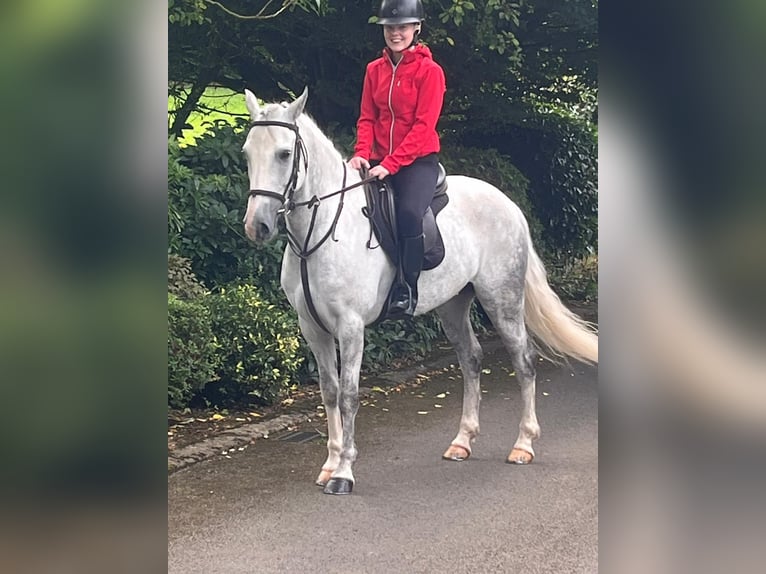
{"x":286,"y":197}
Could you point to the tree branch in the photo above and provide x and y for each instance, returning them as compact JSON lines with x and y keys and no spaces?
{"x":260,"y":15}
{"x":190,"y":103}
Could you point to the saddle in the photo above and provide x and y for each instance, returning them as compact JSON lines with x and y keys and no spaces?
{"x":381,"y":212}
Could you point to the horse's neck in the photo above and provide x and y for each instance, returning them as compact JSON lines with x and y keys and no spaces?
{"x":327,"y":173}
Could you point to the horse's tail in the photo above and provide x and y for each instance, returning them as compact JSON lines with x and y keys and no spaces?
{"x":561,"y":331}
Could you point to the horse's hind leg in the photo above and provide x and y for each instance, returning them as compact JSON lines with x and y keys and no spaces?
{"x":456,"y":322}
{"x":506,"y":310}
{"x":323,"y":348}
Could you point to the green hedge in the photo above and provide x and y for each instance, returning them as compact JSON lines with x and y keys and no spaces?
{"x":566,"y":189}
{"x":181,"y":279}
{"x":192,"y":350}
{"x":258,"y":347}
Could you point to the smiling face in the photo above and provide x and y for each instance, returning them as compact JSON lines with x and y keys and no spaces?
{"x":399,"y":36}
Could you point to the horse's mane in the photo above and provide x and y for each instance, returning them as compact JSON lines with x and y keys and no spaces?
{"x":305,"y":122}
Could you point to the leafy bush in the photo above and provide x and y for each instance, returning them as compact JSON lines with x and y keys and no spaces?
{"x":192,"y":348}
{"x":399,"y":339}
{"x":568,"y":202}
{"x":258,"y":347}
{"x":207,"y":192}
{"x":575,"y":280}
{"x":181,"y":280}
{"x":205,"y":214}
{"x":558,"y":152}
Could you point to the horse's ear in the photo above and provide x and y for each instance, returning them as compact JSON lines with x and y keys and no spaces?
{"x":252,"y":104}
{"x":295,"y":109}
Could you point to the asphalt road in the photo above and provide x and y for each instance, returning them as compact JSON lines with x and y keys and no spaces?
{"x":411,"y":512}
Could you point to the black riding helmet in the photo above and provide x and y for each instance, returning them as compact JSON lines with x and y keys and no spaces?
{"x":401,"y":12}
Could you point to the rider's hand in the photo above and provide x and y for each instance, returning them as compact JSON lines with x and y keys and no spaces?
{"x":358,"y":163}
{"x":379,"y":171}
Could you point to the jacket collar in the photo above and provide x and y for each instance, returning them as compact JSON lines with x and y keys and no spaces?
{"x":410,"y":55}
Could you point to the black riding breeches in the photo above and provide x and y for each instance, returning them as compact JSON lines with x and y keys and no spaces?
{"x":414,"y":187}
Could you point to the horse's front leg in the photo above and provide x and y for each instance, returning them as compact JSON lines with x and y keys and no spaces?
{"x":351,"y":342}
{"x":323,"y":348}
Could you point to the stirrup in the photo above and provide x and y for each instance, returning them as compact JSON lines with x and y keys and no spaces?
{"x":404,"y":305}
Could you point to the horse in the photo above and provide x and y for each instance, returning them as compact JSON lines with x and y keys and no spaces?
{"x":338,"y":285}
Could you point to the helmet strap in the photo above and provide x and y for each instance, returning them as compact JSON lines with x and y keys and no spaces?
{"x":415,"y":36}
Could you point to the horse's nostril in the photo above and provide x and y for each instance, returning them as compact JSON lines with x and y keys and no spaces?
{"x":263,"y":230}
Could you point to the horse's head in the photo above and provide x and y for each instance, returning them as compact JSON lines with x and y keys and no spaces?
{"x":276,"y":163}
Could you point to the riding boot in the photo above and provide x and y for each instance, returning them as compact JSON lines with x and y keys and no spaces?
{"x":405,"y":294}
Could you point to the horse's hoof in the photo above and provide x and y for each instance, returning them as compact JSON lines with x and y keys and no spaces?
{"x":339,"y":486}
{"x":323,"y":477}
{"x":519,"y":456}
{"x":456,"y":453}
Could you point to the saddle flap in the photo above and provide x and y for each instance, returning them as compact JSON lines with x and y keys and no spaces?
{"x":381,"y":212}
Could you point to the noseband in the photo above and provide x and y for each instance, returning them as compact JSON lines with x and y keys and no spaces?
{"x":299,"y":152}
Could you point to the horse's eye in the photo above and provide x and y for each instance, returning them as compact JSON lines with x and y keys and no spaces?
{"x":284,"y":154}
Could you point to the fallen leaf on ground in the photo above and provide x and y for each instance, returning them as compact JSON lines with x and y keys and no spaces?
{"x":437,"y":406}
{"x":441,"y":396}
{"x":422,"y":412}
{"x":486,"y":371}
{"x":256,"y":415}
{"x":217,"y":417}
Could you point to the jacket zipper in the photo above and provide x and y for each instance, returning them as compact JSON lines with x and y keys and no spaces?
{"x":390,"y":107}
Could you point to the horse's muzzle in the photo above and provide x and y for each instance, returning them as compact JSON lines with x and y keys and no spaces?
{"x":259,"y":231}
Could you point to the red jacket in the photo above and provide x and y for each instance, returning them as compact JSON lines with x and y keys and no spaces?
{"x":400,"y":107}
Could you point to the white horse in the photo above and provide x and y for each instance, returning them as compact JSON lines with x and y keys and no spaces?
{"x":292,"y":168}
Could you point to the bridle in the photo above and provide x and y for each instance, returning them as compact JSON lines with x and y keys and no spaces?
{"x":289,"y":205}
{"x":299,"y":152}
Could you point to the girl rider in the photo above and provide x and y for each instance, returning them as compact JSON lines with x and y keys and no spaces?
{"x":396,"y":132}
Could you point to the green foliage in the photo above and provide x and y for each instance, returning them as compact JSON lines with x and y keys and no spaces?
{"x":399,"y":339}
{"x":258,"y":347}
{"x":207,"y":197}
{"x":564,"y":172}
{"x":186,"y":12}
{"x":490,"y":25}
{"x":181,"y":280}
{"x":192,"y":348}
{"x":575,"y":280}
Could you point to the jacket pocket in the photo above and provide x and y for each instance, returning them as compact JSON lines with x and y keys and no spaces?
{"x":405,"y":98}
